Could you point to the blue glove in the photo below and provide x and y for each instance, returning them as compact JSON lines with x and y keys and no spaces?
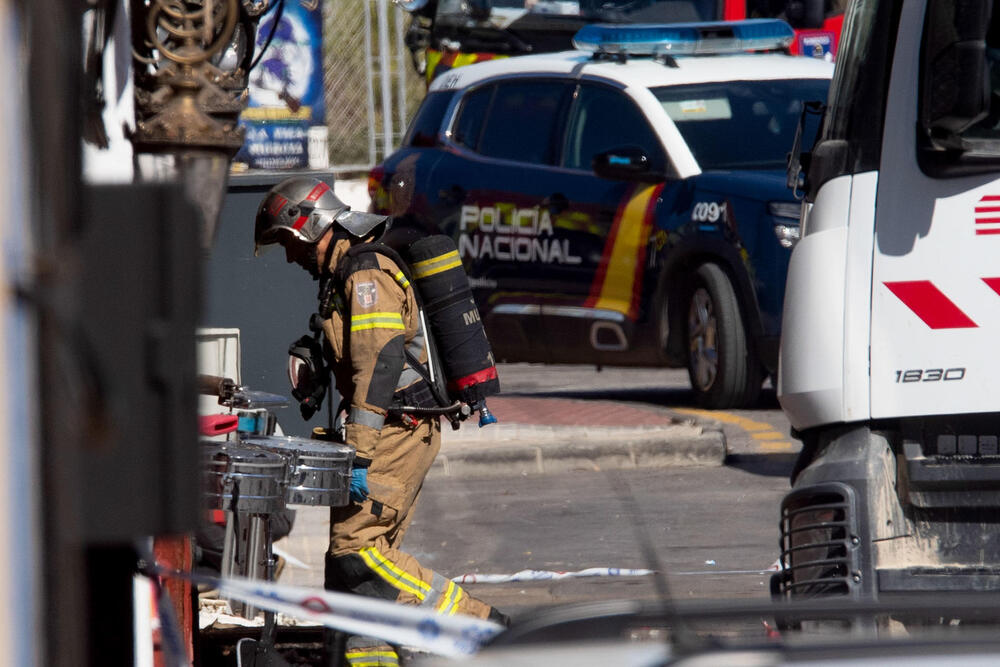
{"x":359,"y":484}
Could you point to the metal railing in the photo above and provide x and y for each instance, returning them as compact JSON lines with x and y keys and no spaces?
{"x":372,"y":88}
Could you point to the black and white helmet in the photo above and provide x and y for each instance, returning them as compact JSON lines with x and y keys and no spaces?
{"x":306,"y":207}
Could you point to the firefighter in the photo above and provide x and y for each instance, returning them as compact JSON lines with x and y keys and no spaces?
{"x":372,"y":326}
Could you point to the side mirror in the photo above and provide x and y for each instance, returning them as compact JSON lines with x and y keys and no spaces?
{"x":798,"y":162}
{"x":955,"y":89}
{"x":628,"y":163}
{"x":478,"y":10}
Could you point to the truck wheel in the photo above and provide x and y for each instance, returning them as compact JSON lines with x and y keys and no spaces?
{"x":723,"y":369}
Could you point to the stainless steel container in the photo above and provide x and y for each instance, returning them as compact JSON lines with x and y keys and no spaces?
{"x":319,"y":472}
{"x":243,"y":478}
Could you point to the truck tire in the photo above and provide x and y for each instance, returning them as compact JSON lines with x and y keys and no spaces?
{"x":723,"y":369}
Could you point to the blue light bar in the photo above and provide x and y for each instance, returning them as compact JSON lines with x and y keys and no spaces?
{"x":682,"y":39}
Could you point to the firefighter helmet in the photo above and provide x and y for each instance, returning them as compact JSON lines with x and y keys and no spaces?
{"x":306,"y":207}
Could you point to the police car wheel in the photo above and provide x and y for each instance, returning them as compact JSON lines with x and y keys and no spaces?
{"x":723,"y":370}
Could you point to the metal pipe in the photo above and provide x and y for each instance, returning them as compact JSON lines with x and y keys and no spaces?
{"x":385,"y":74}
{"x":370,"y":79}
{"x":229,"y":548}
{"x":231,"y":555}
{"x":400,"y":71}
{"x":257,"y":555}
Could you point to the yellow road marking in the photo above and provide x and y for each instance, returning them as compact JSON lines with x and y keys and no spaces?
{"x":769,"y":439}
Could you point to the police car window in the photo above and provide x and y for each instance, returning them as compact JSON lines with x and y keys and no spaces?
{"x":602,"y":119}
{"x":427,"y":121}
{"x":741,"y":124}
{"x":469,"y":125}
{"x":521,"y":122}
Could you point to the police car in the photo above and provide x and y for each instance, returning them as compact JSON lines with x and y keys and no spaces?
{"x":621,"y":204}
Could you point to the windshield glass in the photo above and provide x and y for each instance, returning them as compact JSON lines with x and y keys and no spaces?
{"x":742,"y":124}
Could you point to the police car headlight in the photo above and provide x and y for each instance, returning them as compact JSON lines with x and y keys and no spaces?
{"x":787,"y":227}
{"x":788,"y":235}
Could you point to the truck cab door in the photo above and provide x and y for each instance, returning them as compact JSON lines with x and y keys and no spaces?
{"x":935,"y":277}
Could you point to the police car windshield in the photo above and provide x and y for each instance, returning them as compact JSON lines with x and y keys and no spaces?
{"x":742,"y":124}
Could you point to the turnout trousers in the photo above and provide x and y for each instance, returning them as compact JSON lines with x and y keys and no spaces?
{"x":365,"y":556}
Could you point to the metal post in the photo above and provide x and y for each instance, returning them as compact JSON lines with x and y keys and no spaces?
{"x":257,"y":555}
{"x":370,"y":78}
{"x":234,"y":553}
{"x":21,"y":564}
{"x":400,"y":71}
{"x":228,"y":568}
{"x":385,"y":75}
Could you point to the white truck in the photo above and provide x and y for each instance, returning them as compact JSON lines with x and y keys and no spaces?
{"x":890,"y":353}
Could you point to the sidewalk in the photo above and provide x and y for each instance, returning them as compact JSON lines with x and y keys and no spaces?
{"x":544,"y":435}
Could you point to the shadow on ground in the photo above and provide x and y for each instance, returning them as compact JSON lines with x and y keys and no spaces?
{"x":766,"y":465}
{"x":665,"y":398}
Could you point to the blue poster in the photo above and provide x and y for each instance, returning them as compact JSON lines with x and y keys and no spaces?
{"x":286,"y":87}
{"x":278,"y":144}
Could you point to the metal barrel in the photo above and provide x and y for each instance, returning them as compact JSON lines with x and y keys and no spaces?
{"x":243,"y":479}
{"x":319,"y":472}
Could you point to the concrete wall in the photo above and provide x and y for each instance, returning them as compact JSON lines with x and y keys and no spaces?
{"x":269,"y":300}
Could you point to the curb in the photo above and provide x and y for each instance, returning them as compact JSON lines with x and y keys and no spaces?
{"x":523,"y":450}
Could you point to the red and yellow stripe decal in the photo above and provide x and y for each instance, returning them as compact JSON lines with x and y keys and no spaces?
{"x":451,"y":59}
{"x":618,"y":281}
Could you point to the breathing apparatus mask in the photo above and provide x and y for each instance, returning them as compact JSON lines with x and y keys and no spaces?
{"x":307,"y":371}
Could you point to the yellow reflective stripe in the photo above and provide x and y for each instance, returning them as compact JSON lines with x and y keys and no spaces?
{"x":371,"y":553}
{"x":466,"y":59}
{"x":377,"y":325}
{"x":458,"y":596}
{"x":371,"y":654}
{"x":383,"y":661}
{"x":363,"y":317}
{"x":429,"y":267}
{"x":433,"y":58}
{"x":393,"y":581}
{"x":401,"y":279}
{"x":402,"y":574}
{"x":446,"y":598}
{"x":376,"y":321}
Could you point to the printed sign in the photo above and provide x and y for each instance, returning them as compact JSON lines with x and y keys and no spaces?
{"x":817,"y":44}
{"x":286,"y":88}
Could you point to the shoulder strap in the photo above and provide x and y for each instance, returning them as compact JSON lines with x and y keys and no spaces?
{"x":422,"y":370}
{"x":333,"y":283}
{"x":382,"y":249}
{"x":362,"y":249}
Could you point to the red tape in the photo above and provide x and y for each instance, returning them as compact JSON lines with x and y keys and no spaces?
{"x":478,"y":377}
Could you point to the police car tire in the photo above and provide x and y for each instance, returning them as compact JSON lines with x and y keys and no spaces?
{"x":738,"y":376}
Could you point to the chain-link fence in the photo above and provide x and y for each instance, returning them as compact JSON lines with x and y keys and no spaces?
{"x":372,"y":88}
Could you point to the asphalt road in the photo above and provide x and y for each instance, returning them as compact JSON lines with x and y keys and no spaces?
{"x":713,"y":531}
